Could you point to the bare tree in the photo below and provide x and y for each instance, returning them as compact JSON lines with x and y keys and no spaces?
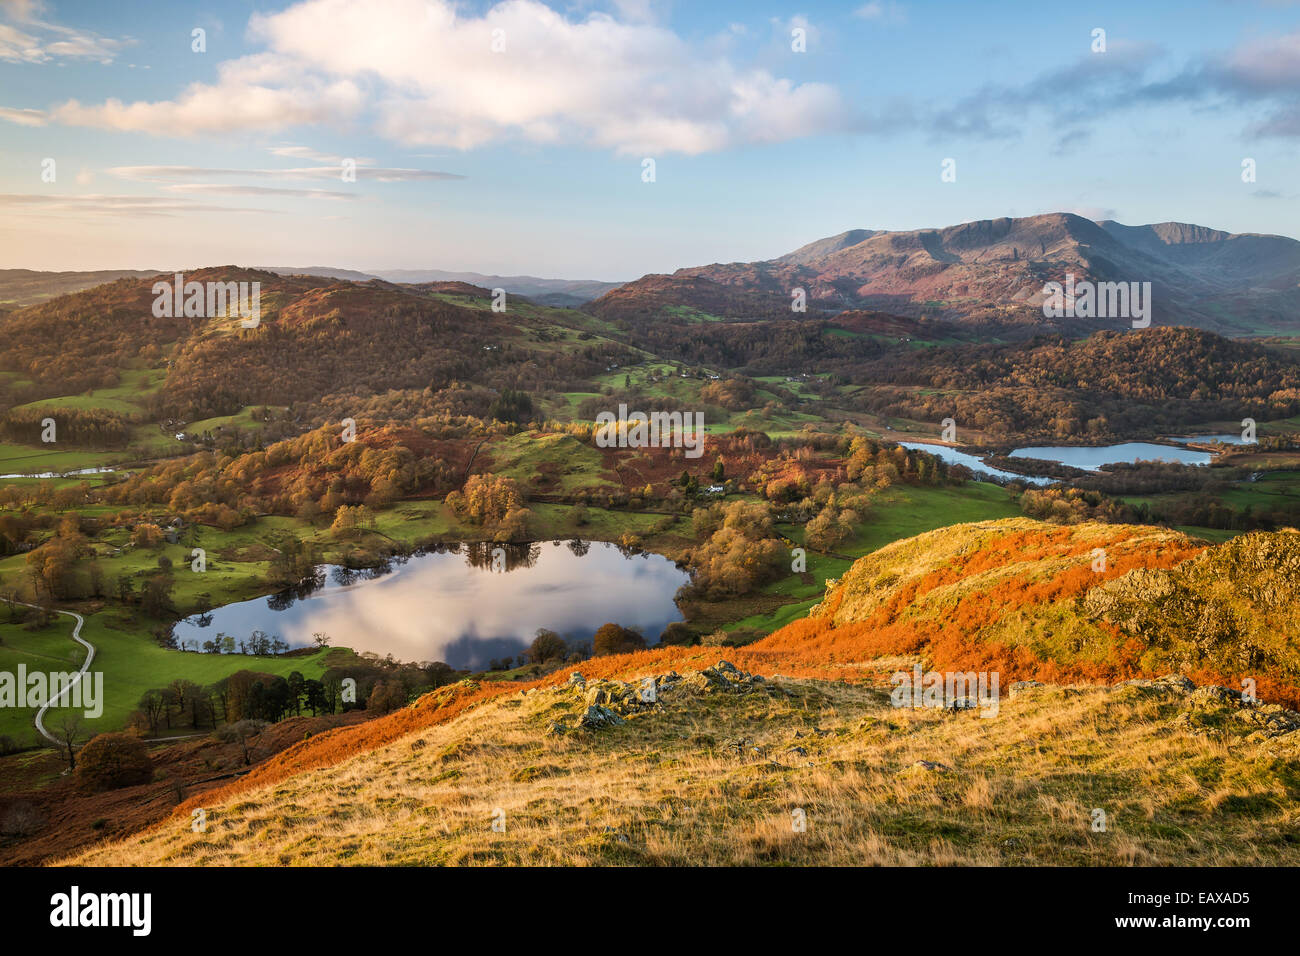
{"x":68,"y":731}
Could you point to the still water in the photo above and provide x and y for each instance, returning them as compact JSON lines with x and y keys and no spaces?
{"x":461,"y":607}
{"x":1092,"y":457}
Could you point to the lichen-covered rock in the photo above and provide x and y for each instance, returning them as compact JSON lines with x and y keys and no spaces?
{"x":599,"y":718}
{"x":1020,"y":686}
{"x":1271,"y":719}
{"x":1211,"y":694}
{"x":1170,"y":682}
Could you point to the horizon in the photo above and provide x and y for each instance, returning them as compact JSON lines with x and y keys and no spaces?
{"x":768,"y":128}
{"x":379,"y":272}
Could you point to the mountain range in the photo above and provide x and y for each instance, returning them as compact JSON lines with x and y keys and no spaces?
{"x":992,"y":272}
{"x":984,"y":274}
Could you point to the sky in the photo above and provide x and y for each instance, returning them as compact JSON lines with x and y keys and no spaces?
{"x":518,"y":137}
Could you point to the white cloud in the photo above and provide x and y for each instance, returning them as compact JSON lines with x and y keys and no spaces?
{"x":23,"y":117}
{"x":169,"y":174}
{"x":226,"y":189}
{"x":881,"y":11}
{"x":39,"y":41}
{"x":252,"y":93}
{"x":431,"y":79}
{"x":41,"y":204}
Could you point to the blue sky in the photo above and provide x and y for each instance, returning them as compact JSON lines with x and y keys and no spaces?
{"x":529,"y":159}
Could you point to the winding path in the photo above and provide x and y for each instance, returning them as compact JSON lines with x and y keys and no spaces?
{"x":90,"y":656}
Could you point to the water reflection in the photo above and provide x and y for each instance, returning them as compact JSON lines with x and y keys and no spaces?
{"x":464,"y":604}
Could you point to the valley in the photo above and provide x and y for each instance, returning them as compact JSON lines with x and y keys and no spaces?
{"x":237,"y":513}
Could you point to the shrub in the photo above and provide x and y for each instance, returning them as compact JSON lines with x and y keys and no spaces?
{"x":678,"y":634}
{"x":110,"y":761}
{"x":547,"y":646}
{"x":615,"y":639}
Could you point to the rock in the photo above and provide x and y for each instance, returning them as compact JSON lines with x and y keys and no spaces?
{"x":930,"y":765}
{"x":618,"y":835}
{"x":797,"y":751}
{"x":1212,"y":694}
{"x":1271,"y":719}
{"x":598,"y":718}
{"x":1174,"y":682}
{"x":728,"y":670}
{"x":576,"y":678}
{"x":1020,"y":686}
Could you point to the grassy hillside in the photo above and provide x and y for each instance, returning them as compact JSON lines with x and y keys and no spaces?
{"x":1086,"y":601}
{"x":714,"y":770}
{"x":715,"y":774}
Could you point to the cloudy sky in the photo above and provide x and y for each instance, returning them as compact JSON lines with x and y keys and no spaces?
{"x":513,"y":137}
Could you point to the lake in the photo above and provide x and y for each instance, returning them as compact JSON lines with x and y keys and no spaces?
{"x":1090,"y":457}
{"x":954,"y":457}
{"x":452,"y":605}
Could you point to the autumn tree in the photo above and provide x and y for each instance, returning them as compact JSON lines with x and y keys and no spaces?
{"x":613,"y":638}
{"x":110,"y":761}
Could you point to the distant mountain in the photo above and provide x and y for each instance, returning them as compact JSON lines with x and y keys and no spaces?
{"x":559,"y":292}
{"x":992,"y":272}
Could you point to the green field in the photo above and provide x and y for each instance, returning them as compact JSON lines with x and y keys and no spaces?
{"x":40,"y":459}
{"x":130,"y":662}
{"x":124,"y":398}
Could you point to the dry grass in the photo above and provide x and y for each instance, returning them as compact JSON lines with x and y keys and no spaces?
{"x":712,"y":779}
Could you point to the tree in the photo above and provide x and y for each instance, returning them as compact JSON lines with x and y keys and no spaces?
{"x":546,"y":647}
{"x":296,"y":685}
{"x":151,"y":706}
{"x":386,"y":696}
{"x":156,"y":598}
{"x":678,"y":634}
{"x":67,"y":731}
{"x":314,"y":692}
{"x":612,"y":638}
{"x":242,"y":732}
{"x":110,"y":761}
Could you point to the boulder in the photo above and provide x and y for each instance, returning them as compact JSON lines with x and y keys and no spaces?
{"x":599,"y":718}
{"x":1211,"y":694}
{"x":1020,"y":686}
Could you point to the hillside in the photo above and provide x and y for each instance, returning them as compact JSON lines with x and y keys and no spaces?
{"x":584,"y":771}
{"x":558,"y":292}
{"x":991,"y":273}
{"x":20,"y":287}
{"x":321,"y":342}
{"x":1137,"y":382}
{"x":1024,"y":599}
{"x":721,"y":774}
